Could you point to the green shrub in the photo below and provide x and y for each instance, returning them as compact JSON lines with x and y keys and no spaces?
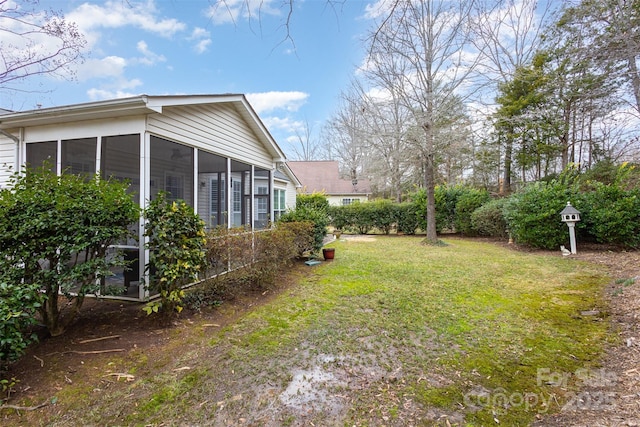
{"x":446,"y":201}
{"x":312,"y":208}
{"x":19,"y":304}
{"x":612,"y":215}
{"x":419,"y":200}
{"x":407,"y":217}
{"x":533,"y":214}
{"x":341,"y":217}
{"x":55,"y":232}
{"x":469,"y":200}
{"x":176,"y":251}
{"x":315,"y":201}
{"x":384,"y":214}
{"x":363,"y":215}
{"x":488,"y":219}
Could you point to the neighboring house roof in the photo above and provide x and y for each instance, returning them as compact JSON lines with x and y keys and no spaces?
{"x":142,"y":104}
{"x":323,"y":176}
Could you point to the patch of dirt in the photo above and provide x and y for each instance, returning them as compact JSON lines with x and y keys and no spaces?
{"x":610,"y":396}
{"x":107,"y":329}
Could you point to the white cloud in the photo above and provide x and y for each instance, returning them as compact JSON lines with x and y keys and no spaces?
{"x":202,"y":46}
{"x":377,"y":9}
{"x":100,"y":94}
{"x":229,"y":11}
{"x":149,"y":57}
{"x":202,"y":39}
{"x":265,"y":102}
{"x":108,"y":67}
{"x":118,"y":14}
{"x":199,"y":33}
{"x":286,"y":124}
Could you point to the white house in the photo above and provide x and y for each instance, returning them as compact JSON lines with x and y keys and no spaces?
{"x":213,"y":151}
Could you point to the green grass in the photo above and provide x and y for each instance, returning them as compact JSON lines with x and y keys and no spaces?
{"x":408,"y":329}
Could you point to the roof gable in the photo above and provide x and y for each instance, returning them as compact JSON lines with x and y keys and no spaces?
{"x":140,"y":105}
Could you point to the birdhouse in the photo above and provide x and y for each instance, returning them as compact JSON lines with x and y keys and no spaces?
{"x":570,"y":214}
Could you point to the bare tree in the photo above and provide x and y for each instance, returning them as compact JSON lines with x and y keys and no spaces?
{"x":304,"y":146}
{"x":420,"y":48}
{"x":507,"y":34}
{"x":345,"y":134}
{"x":34,"y":42}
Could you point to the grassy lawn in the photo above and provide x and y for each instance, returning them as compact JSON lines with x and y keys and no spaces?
{"x":389,"y":333}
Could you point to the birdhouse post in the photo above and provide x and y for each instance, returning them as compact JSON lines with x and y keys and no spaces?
{"x":571,"y":215}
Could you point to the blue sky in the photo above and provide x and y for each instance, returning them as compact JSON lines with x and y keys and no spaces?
{"x":160,"y":47}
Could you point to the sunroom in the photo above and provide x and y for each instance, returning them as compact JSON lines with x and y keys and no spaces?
{"x":212,"y":151}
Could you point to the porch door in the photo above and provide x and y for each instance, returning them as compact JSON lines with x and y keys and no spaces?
{"x":236,"y":201}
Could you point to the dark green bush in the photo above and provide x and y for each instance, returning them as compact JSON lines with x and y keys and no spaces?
{"x":55,"y":232}
{"x":19,"y":304}
{"x":176,"y":251}
{"x":407,"y":217}
{"x":469,"y":200}
{"x":364,"y":216}
{"x":446,"y":201}
{"x":533,"y":214}
{"x":488,"y":219}
{"x":611,"y":214}
{"x":342,"y":217}
{"x":384,"y":214}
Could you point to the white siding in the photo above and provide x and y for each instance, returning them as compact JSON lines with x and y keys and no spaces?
{"x":291,"y":196}
{"x":8,"y":159}
{"x":215,"y":128}
{"x":290,"y":192}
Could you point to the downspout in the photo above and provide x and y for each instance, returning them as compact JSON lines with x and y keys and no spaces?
{"x":10,"y":135}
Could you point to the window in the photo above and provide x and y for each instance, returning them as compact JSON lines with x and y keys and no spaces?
{"x":262,"y":214}
{"x":236,"y":202}
{"x":171,"y":169}
{"x":79,"y":156}
{"x":174,"y":185}
{"x":279,"y":203}
{"x":349,"y":201}
{"x":42,"y":152}
{"x":120,"y":159}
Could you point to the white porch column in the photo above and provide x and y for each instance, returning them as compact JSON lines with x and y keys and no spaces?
{"x":145,"y":195}
{"x":229,"y":193}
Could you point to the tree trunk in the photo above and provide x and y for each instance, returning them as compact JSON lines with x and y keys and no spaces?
{"x":429,"y":179}
{"x":635,"y":80}
{"x":506,"y":179}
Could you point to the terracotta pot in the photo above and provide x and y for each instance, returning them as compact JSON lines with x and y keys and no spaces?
{"x":328,"y":253}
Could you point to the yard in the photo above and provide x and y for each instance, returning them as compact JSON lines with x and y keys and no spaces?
{"x":390,"y":333}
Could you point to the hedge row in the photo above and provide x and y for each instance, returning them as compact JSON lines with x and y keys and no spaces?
{"x":608,"y":200}
{"x":454,"y":206}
